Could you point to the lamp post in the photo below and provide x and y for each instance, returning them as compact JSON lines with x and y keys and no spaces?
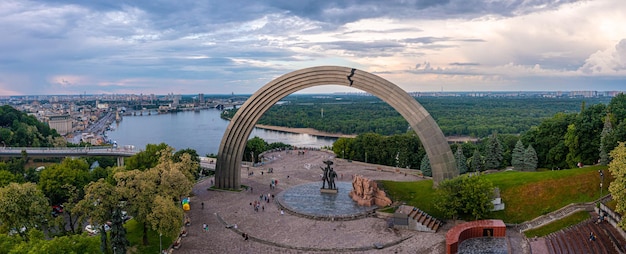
{"x":601,"y":181}
{"x":160,"y":244}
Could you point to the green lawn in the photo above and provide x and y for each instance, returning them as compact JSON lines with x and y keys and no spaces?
{"x":134,"y":235}
{"x":557,"y":225}
{"x":526,"y":195}
{"x":418,"y":194}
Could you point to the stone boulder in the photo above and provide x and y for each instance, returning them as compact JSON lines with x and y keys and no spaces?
{"x":366,"y":193}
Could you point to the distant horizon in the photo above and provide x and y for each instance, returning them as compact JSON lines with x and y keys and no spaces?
{"x":316,"y":93}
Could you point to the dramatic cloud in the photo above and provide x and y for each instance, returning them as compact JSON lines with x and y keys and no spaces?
{"x":611,"y":61}
{"x":188,"y":46}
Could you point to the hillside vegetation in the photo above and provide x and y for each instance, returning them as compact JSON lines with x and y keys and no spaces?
{"x":526,"y":195}
{"x":19,"y":129}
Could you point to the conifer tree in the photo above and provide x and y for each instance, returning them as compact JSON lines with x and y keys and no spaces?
{"x":530,"y":159}
{"x":425,"y":166}
{"x":477,"y":161}
{"x":118,"y":232}
{"x":493,"y":152}
{"x":461,"y":160}
{"x":605,"y":140}
{"x":518,"y":156}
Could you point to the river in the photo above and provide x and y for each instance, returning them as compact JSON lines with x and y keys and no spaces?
{"x":200,"y":130}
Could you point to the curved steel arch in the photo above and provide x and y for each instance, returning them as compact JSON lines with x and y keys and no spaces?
{"x":228,"y":167}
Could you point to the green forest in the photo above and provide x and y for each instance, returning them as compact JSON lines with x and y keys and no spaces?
{"x":553,"y":133}
{"x":456,"y":116}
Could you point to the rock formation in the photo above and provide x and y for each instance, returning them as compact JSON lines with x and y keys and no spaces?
{"x":366,"y":193}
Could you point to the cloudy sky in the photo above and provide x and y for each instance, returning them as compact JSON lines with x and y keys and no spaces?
{"x":237,"y":46}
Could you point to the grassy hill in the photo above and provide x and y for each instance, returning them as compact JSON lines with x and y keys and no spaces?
{"x":526,"y":195}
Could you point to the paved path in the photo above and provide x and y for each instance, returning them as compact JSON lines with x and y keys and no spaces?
{"x":271,"y":232}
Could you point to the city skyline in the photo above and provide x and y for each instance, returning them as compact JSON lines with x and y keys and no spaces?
{"x":186,"y":47}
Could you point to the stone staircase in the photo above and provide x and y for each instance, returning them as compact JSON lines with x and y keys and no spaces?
{"x":416,"y":219}
{"x":575,"y":239}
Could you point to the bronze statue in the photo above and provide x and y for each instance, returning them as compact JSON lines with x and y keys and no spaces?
{"x":329,"y":176}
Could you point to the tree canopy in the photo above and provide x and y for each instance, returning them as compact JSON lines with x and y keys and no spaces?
{"x":465,"y":196}
{"x":21,"y":130}
{"x":148,"y":191}
{"x":22,"y":206}
{"x":617,"y":166}
{"x":493,"y":152}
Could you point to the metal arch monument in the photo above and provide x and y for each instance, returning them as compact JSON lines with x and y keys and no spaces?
{"x":228,"y":167}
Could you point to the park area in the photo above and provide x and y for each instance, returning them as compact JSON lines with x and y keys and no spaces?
{"x":526,"y":194}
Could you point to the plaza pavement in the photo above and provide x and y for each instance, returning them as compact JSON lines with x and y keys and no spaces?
{"x":271,"y":232}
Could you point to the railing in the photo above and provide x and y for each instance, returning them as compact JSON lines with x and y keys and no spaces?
{"x":58,"y":151}
{"x":612,"y":217}
{"x":558,"y":214}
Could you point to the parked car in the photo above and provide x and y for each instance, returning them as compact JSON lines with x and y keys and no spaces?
{"x":57,"y":210}
{"x":91,"y":230}
{"x":94,"y":229}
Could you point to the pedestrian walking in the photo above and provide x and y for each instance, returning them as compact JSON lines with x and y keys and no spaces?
{"x":203,"y":205}
{"x":205,"y":227}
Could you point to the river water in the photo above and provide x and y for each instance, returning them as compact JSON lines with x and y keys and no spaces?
{"x":200,"y":130}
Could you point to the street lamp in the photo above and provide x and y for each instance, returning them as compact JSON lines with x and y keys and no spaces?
{"x":601,"y":181}
{"x":160,"y":244}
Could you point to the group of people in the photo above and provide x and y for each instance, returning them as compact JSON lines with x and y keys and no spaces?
{"x":262,"y":199}
{"x":256,"y":204}
{"x":273,"y":184}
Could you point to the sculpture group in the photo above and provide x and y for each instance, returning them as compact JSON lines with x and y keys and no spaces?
{"x":366,"y":193}
{"x":329,"y":177}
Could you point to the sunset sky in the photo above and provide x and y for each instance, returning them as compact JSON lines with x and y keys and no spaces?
{"x":218,"y":47}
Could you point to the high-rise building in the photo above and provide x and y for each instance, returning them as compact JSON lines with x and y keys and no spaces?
{"x":201,"y":98}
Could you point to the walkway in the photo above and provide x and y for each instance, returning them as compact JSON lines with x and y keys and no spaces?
{"x":271,"y":232}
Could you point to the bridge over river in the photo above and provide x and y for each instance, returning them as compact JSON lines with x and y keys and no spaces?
{"x":120,"y":153}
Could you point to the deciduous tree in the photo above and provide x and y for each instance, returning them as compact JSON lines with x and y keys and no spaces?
{"x":22,"y":206}
{"x":165,"y":217}
{"x":147,"y":158}
{"x":54,"y":180}
{"x":465,"y":196}
{"x":254,"y":147}
{"x":101,"y":200}
{"x":166,"y":180}
{"x":617,"y":166}
{"x":7,"y":177}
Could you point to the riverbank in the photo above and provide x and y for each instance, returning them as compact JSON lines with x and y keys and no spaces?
{"x":309,"y":131}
